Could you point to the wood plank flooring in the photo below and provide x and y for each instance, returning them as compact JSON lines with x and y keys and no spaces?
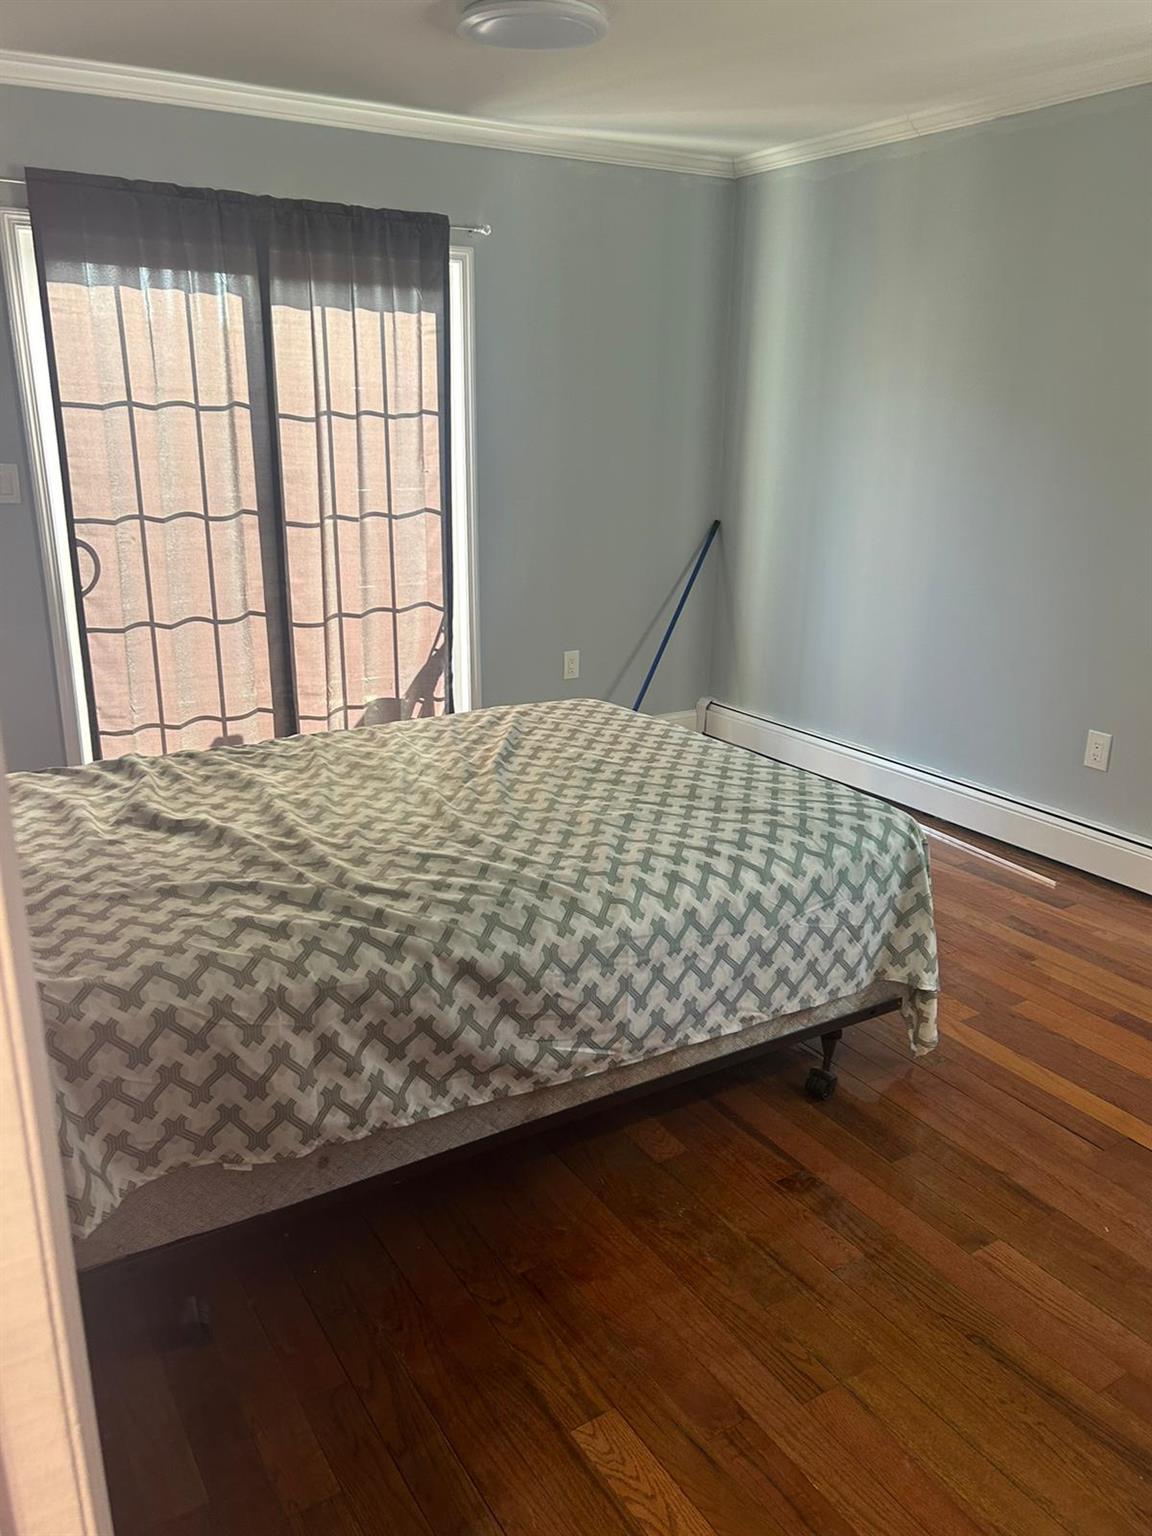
{"x":923,"y":1307}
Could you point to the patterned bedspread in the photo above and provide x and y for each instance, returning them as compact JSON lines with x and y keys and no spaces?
{"x":248,"y":951}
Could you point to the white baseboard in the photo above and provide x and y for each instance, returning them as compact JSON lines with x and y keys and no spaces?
{"x":684,"y":717}
{"x":1092,"y":849}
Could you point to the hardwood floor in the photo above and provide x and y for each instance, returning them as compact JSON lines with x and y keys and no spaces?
{"x":922,"y":1307}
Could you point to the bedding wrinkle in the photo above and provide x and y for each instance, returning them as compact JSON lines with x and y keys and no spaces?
{"x":248,"y":952}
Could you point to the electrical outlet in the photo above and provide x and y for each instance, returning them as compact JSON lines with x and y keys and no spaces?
{"x":571,"y":665}
{"x":9,"y":483}
{"x":1098,"y":750}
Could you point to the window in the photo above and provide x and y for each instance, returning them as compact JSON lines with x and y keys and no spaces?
{"x":31,"y":353}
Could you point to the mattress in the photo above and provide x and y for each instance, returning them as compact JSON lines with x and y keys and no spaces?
{"x":248,"y":953}
{"x":190,"y":1201}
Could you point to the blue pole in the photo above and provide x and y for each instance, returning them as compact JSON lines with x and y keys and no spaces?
{"x":700,"y":558}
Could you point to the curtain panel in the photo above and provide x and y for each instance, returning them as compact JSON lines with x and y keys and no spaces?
{"x":252,"y":402}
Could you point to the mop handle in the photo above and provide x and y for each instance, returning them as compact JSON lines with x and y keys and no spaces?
{"x":700,"y":558}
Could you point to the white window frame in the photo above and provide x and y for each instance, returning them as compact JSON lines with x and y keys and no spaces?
{"x":31,"y":355}
{"x":462,"y":448}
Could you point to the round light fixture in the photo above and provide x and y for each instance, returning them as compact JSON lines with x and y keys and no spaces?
{"x":533,"y":23}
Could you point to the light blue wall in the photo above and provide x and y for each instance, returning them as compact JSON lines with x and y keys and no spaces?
{"x":930,"y":439}
{"x":600,"y":309}
{"x":938,"y":534}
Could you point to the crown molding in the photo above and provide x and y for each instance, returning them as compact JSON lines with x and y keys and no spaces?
{"x":122,"y":81}
{"x":47,"y":72}
{"x":1065,"y":84}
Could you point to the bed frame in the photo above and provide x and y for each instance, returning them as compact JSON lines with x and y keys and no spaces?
{"x":193,"y":1201}
{"x":193,"y":1320}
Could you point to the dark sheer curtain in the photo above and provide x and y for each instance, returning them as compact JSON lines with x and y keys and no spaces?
{"x":252,"y":404}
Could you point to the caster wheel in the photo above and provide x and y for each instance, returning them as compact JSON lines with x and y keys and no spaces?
{"x":820,"y":1085}
{"x":195,"y":1320}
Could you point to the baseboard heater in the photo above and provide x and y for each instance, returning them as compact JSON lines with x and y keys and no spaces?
{"x":1096,"y":850}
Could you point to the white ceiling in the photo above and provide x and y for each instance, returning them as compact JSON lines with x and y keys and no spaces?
{"x":729,"y":76}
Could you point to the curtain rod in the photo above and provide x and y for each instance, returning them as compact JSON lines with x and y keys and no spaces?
{"x":482,"y":231}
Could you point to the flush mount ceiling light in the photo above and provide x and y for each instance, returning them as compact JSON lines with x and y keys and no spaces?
{"x":533,"y":23}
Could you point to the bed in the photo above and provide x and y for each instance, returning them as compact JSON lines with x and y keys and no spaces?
{"x":269,"y":970}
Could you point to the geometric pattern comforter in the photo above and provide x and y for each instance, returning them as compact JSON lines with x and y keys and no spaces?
{"x":248,"y":951}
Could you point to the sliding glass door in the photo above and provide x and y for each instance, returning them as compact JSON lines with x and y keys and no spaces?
{"x":170,"y":545}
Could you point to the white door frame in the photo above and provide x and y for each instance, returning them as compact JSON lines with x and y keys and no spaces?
{"x":462,"y":403}
{"x":30,"y":351}
{"x":51,"y":1474}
